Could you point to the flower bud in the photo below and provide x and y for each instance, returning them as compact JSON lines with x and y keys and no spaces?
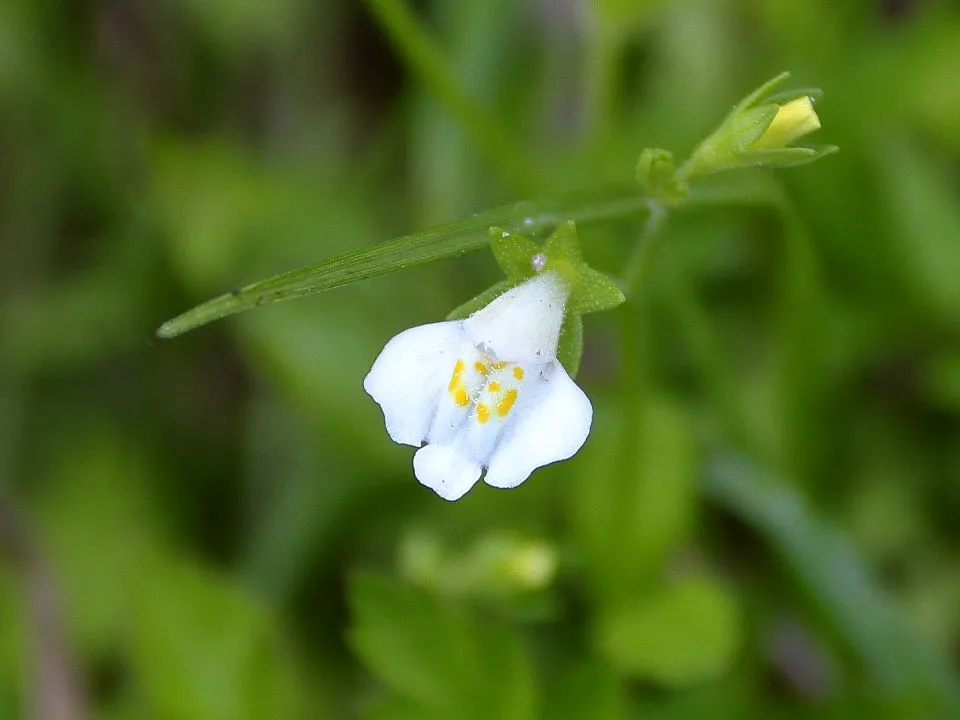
{"x":759,"y":132}
{"x":792,"y":121}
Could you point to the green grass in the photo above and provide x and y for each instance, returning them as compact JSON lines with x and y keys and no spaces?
{"x":762,"y":522}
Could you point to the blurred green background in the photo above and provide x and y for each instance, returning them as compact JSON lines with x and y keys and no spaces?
{"x":764,"y":520}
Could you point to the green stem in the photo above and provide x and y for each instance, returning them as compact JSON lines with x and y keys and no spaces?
{"x":530,"y":217}
{"x":747,"y":190}
{"x":426,"y":60}
{"x":637,"y":264}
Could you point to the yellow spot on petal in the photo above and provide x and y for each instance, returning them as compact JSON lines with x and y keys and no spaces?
{"x":494,"y":386}
{"x":455,"y":378}
{"x":483,"y":413}
{"x":460,"y":396}
{"x":507,"y":401}
{"x":518,"y":373}
{"x":480,"y":368}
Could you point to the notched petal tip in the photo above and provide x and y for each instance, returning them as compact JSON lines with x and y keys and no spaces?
{"x":446,"y":470}
{"x":552,"y":425}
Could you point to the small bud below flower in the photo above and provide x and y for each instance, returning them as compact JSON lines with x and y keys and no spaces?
{"x":658,"y":178}
{"x":532,"y":565}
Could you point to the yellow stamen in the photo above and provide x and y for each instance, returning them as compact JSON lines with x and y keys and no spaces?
{"x":507,"y":401}
{"x":455,"y":378}
{"x":460,"y":396}
{"x":494,"y":386}
{"x":483,"y":413}
{"x":498,"y":365}
{"x":480,"y":368}
{"x":518,"y":373}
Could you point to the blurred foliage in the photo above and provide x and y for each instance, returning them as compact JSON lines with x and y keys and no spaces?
{"x":763,"y":522}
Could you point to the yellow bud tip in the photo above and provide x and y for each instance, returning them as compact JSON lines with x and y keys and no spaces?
{"x":792,"y":121}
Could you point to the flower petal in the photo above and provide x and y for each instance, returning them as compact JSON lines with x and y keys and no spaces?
{"x":409,"y":375}
{"x":446,"y":469}
{"x":551,"y":425}
{"x":523,"y":324}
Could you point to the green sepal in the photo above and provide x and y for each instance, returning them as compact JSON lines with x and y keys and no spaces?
{"x":594,"y":292}
{"x":788,"y":157}
{"x":747,"y":128}
{"x":590,"y":290}
{"x":564,"y":244}
{"x":570,"y":343}
{"x":512,"y":252}
{"x":782,"y":98}
{"x":762,"y":93}
{"x":482,"y":300}
{"x":725,"y":149}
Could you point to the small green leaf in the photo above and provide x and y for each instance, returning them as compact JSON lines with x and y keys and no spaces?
{"x":904,"y":665}
{"x":679,"y":636}
{"x":96,"y":530}
{"x":409,"y":641}
{"x":640,"y":504}
{"x":920,"y":204}
{"x":201,"y":648}
{"x":437,"y":655}
{"x":443,"y":241}
{"x":588,"y":689}
{"x":382,"y":259}
{"x":397,"y":708}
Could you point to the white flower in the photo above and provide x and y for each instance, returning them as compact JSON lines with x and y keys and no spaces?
{"x":485,"y":392}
